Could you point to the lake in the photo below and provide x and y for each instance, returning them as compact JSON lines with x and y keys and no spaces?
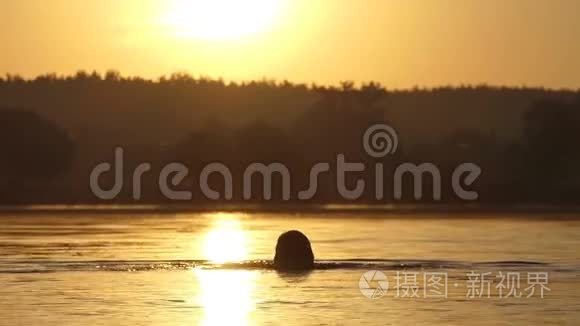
{"x":111,"y":268}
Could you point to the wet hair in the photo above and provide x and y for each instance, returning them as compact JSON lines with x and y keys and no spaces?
{"x":293,"y":252}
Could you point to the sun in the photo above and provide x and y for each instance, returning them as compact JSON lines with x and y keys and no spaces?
{"x":221,"y":19}
{"x":226,"y":241}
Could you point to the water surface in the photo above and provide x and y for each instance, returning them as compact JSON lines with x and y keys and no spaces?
{"x":215,"y":268}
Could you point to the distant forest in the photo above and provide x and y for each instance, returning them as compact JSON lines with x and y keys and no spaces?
{"x":55,"y":129}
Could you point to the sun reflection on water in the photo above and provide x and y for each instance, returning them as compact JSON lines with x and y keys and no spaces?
{"x":227,"y":296}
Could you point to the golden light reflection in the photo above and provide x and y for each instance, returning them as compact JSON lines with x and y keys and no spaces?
{"x":226,"y":241}
{"x":226,"y":296}
{"x":221,"y":19}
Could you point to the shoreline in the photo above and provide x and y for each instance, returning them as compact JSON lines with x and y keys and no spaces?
{"x":420,"y":210}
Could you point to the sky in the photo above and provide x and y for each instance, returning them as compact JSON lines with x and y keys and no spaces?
{"x":399,"y":43}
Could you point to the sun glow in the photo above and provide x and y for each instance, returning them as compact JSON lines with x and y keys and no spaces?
{"x":221,"y":19}
{"x":226,"y":241}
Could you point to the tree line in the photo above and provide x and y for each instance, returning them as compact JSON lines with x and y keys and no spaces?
{"x":55,"y":129}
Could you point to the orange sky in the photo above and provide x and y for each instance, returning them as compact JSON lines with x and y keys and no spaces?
{"x":400,"y":43}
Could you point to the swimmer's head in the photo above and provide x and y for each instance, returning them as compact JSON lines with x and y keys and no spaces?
{"x":293,"y":252}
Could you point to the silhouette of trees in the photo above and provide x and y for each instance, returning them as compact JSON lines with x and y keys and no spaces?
{"x":525,"y":139}
{"x":552,"y":129}
{"x":32,"y":147}
{"x":551,"y":142}
{"x":34,"y":152}
{"x":337,"y":121}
